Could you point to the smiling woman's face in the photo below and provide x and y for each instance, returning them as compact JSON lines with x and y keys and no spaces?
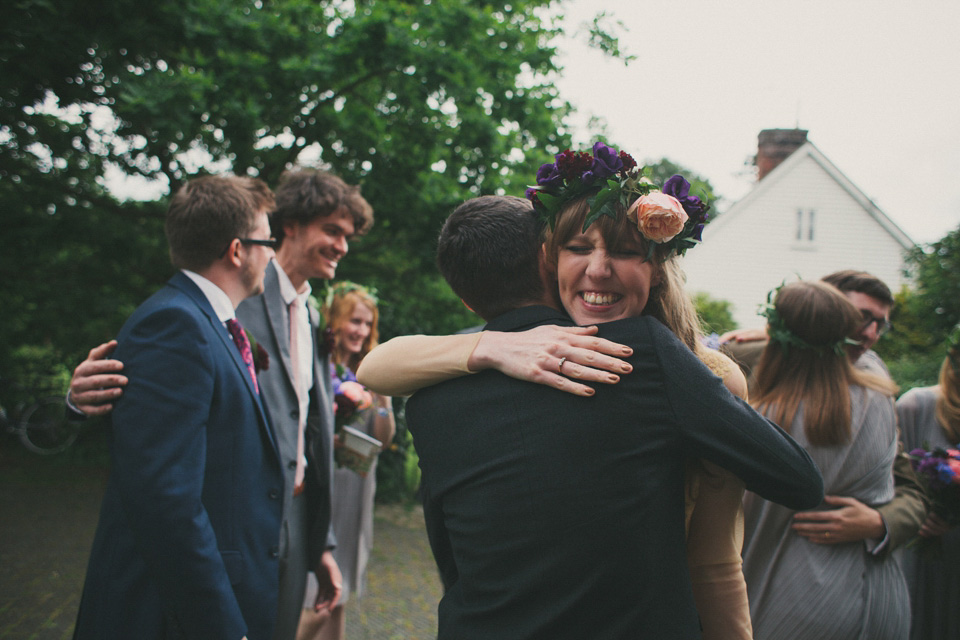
{"x":598,"y":284}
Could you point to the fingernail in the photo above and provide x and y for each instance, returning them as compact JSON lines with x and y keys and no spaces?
{"x":612,"y":379}
{"x":627,"y":351}
{"x":626,"y":367}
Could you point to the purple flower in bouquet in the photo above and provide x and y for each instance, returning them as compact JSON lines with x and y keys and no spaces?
{"x":939,"y":472}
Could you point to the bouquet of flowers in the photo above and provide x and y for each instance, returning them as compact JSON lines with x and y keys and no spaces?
{"x":353,"y":449}
{"x":939,"y":472}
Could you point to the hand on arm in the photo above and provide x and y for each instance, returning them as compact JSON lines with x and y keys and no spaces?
{"x":384,"y":425}
{"x":744,"y":335}
{"x":330,"y":583}
{"x":96,"y":382}
{"x":852,"y":522}
{"x":536,"y":356}
{"x":933,"y":526}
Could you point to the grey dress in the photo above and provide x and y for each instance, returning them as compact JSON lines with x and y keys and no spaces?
{"x":802,"y":590}
{"x":352,"y":516}
{"x":933,"y":579}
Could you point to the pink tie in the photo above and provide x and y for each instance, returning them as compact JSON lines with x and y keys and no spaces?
{"x":243,"y":344}
{"x":295,"y":365}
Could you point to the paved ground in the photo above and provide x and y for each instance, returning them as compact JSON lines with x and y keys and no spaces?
{"x":48,"y":513}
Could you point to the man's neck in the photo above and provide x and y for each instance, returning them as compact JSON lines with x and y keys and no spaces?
{"x":286,"y":262}
{"x":226,"y":281}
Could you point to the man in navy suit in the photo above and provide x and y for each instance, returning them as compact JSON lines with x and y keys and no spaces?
{"x":186,"y":546}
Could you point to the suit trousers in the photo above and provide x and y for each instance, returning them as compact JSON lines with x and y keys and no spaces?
{"x":293,"y":569}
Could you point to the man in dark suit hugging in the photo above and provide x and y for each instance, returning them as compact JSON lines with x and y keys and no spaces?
{"x":556,"y":516}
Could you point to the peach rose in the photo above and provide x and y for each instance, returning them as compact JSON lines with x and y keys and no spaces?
{"x":659,"y":217}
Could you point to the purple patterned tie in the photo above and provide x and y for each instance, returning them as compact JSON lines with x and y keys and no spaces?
{"x":243,"y":344}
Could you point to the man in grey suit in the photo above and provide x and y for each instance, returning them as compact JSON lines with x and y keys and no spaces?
{"x":315,"y":217}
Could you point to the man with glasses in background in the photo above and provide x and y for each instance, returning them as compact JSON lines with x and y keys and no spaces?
{"x":186,"y":544}
{"x":884,"y":527}
{"x":315,"y":215}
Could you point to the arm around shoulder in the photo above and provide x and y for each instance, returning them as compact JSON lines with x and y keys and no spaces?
{"x":406,"y":364}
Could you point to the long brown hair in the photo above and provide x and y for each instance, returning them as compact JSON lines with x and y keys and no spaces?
{"x":668,"y":301}
{"x":948,"y":400}
{"x":337,"y":315}
{"x":817,"y":376}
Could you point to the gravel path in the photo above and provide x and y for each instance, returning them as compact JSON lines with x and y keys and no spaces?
{"x":48,"y":514}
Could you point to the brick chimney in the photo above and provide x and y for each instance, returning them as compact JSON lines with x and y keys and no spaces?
{"x":773,"y":147}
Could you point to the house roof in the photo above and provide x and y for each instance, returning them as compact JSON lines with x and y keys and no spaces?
{"x":809,"y":150}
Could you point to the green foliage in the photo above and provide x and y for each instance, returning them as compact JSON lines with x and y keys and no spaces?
{"x":398,"y":472}
{"x":663,"y":169}
{"x":423,"y":104}
{"x":715,"y":315}
{"x":924,"y":315}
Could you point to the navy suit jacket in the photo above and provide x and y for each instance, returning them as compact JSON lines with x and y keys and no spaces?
{"x":186,"y":545}
{"x":555,"y":516}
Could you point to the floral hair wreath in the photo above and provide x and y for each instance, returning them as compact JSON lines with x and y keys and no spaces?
{"x":329,"y":292}
{"x":781,"y":334}
{"x":668,"y":217}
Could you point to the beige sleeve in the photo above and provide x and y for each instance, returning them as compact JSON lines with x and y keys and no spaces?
{"x":715,"y":533}
{"x":405,"y":364}
{"x":713,"y":556}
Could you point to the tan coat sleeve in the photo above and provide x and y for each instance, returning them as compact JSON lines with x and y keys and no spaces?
{"x":405,"y":364}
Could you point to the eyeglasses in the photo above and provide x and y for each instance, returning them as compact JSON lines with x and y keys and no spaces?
{"x":883,"y":325}
{"x":270,"y":242}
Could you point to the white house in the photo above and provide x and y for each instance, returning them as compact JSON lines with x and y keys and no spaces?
{"x":804,"y":218}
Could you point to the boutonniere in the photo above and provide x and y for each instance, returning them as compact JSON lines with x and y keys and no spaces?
{"x":325,"y":341}
{"x":261,"y":359}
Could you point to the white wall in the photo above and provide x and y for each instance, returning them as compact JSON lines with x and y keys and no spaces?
{"x":752,"y":248}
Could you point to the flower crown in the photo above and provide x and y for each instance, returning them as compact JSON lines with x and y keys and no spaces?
{"x":668,"y":217}
{"x":781,"y":334}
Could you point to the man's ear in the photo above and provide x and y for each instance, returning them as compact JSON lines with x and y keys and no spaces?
{"x":290,"y":228}
{"x":233,"y":253}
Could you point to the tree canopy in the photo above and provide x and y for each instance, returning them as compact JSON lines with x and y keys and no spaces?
{"x":423,"y":103}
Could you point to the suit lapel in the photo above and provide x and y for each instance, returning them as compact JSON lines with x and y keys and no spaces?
{"x":187,"y":286}
{"x":278,"y":316}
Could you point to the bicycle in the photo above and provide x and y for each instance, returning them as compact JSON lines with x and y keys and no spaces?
{"x":41,"y":424}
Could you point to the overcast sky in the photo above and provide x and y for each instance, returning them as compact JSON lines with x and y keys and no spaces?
{"x":876,"y":83}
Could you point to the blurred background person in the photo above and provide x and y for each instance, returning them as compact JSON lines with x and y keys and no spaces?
{"x":351,"y":318}
{"x":800,"y":587}
{"x":929,"y":418}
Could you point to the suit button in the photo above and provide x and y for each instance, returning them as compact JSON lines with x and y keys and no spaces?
{"x":274,"y":494}
{"x":295,"y":414}
{"x":274,"y":552}
{"x":292,"y":464}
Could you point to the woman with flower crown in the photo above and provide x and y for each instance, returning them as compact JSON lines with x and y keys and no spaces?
{"x":613,"y":248}
{"x":845,"y":419}
{"x":930,"y":418}
{"x":351,"y":317}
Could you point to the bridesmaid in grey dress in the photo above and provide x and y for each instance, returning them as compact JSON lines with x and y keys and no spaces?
{"x":930,"y":417}
{"x":351,"y":314}
{"x":845,"y":418}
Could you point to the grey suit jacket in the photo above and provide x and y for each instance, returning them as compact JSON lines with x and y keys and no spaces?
{"x":267,"y":318}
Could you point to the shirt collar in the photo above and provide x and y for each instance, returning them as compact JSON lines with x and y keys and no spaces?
{"x":216,"y":296}
{"x":287,"y":292}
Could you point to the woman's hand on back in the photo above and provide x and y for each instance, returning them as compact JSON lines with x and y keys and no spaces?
{"x":559,"y":357}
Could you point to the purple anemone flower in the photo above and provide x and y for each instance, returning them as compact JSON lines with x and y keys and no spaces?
{"x":606,"y":161}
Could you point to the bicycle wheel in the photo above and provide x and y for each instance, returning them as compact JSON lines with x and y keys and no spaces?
{"x":44,"y":427}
